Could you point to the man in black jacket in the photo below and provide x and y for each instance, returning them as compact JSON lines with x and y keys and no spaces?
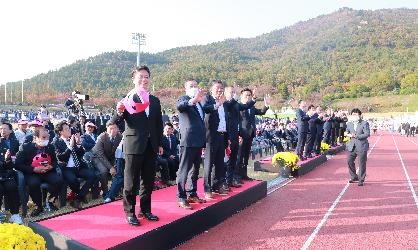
{"x":234,"y":118}
{"x":143,"y":141}
{"x":303,"y":119}
{"x":70,"y":154}
{"x":192,"y":140}
{"x":170,"y":144}
{"x":312,"y":131}
{"x":247,"y":130}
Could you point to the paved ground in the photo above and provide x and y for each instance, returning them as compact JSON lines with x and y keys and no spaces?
{"x":321,"y":211}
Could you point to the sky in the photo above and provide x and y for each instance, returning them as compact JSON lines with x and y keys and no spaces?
{"x":43,"y":35}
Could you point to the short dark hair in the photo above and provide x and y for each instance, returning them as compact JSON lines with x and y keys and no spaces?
{"x":247,"y":89}
{"x":37,"y":132}
{"x":300,"y":101}
{"x":110,"y":123}
{"x":168,"y":124}
{"x":60,"y":126}
{"x":355,"y":110}
{"x":8,"y":124}
{"x":218,"y":82}
{"x":311,"y":106}
{"x":139,"y":68}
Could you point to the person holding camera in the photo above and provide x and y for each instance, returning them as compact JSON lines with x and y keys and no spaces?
{"x":70,"y":158}
{"x":38,"y":162}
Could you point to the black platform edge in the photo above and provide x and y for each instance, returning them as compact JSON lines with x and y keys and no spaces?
{"x":308,"y":166}
{"x":172,"y":234}
{"x":56,"y":241}
{"x":335,"y":150}
{"x":265,"y":167}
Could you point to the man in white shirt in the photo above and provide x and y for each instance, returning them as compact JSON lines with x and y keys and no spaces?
{"x":70,"y":154}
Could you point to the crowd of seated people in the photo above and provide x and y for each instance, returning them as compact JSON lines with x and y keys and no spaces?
{"x":72,"y":159}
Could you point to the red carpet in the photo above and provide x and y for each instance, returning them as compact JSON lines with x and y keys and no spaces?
{"x":104,"y":226}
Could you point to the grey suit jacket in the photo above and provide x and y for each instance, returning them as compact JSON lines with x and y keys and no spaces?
{"x":362,"y":132}
{"x":104,"y":153}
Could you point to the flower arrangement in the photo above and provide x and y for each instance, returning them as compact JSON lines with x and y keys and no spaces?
{"x":324,"y":146}
{"x":19,"y":237}
{"x":346,"y":139}
{"x":286,"y":161}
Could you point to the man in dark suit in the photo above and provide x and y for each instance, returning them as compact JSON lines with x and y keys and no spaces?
{"x":216,"y":124}
{"x":170,"y":144}
{"x":319,"y":130}
{"x":302,"y":118}
{"x":192,"y":140}
{"x":88,"y":139}
{"x":143,"y":141}
{"x":70,"y":153}
{"x":358,"y":131}
{"x":312,"y":131}
{"x":247,"y":130}
{"x":234,"y":118}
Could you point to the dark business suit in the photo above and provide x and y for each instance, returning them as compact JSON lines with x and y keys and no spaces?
{"x":358,"y":147}
{"x":234,"y":118}
{"x":170,"y":148}
{"x":327,"y":129}
{"x":303,"y":125}
{"x":71,"y":174}
{"x":319,"y":134}
{"x":216,"y":143}
{"x":247,"y":132}
{"x":88,"y":142}
{"x":311,"y":135}
{"x":143,"y":135}
{"x":192,"y":140}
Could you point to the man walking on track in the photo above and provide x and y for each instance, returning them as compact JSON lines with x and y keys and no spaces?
{"x":358,"y":131}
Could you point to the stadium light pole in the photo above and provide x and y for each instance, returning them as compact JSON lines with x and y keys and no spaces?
{"x":138,"y":39}
{"x":22,"y":91}
{"x":5,"y":93}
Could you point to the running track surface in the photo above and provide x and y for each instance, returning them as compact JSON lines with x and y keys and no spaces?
{"x":383,"y":214}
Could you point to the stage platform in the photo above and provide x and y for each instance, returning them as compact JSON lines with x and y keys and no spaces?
{"x":335,"y":150}
{"x":305,"y":166}
{"x":104,"y":226}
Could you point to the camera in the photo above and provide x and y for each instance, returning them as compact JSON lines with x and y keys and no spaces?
{"x":75,"y":104}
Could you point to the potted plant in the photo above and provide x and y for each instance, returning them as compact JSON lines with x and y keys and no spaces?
{"x":14,"y":236}
{"x":286,"y":162}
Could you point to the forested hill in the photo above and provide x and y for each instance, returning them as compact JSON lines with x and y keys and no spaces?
{"x":348,"y":51}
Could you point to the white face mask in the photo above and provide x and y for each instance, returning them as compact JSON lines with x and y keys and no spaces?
{"x":355,"y":118}
{"x":44,"y":143}
{"x":192,"y":92}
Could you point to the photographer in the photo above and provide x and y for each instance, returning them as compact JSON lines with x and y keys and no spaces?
{"x":74,"y":103}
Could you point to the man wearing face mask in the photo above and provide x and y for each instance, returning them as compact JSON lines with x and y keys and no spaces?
{"x":141,"y":112}
{"x":358,"y":131}
{"x":192,"y":140}
{"x":38,"y":162}
{"x":234,"y":117}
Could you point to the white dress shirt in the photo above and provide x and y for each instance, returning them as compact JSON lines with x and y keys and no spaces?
{"x":222,"y":121}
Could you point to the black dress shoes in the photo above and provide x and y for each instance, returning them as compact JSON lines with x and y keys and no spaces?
{"x":184,"y":204}
{"x":353,"y":180}
{"x":132,"y":220}
{"x":149,"y":216}
{"x":361,"y":183}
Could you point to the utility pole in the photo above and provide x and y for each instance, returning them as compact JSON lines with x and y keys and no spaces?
{"x":22,"y":91}
{"x":138,"y":39}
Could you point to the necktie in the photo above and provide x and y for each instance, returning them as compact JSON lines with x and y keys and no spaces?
{"x":77,"y":163}
{"x":169,"y":141}
{"x":144,"y":96}
{"x":112,"y":141}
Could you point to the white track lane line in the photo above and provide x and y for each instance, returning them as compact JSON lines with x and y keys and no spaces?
{"x":328,"y":213}
{"x":411,"y":141}
{"x":411,"y":187}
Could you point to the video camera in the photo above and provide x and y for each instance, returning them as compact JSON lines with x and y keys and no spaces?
{"x":75,"y":105}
